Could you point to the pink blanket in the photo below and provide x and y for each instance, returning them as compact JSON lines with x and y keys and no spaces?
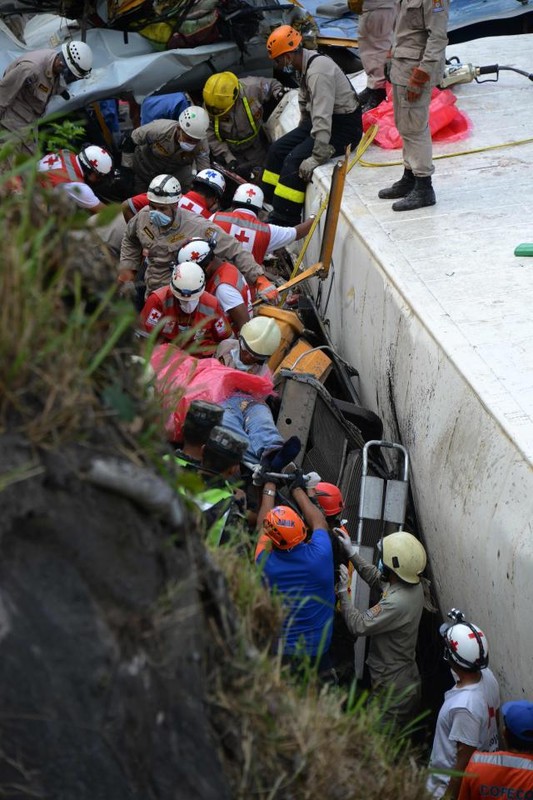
{"x":180,"y":379}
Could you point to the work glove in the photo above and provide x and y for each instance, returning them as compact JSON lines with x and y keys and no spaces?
{"x":322,"y":152}
{"x":126,"y":283}
{"x":417,"y":81}
{"x":298,"y":481}
{"x":346,"y":543}
{"x":281,"y":93}
{"x":312,"y":479}
{"x":266,"y":290}
{"x":387,"y":65}
{"x":232,"y":165}
{"x":127,"y":145}
{"x":344,"y":579}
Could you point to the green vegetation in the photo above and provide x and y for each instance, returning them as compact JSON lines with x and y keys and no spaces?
{"x":66,"y":375}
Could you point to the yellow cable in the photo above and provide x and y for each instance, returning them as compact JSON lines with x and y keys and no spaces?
{"x":451,"y":155}
{"x":362,"y":147}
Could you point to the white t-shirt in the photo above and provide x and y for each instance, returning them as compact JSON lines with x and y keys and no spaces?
{"x":82,"y":194}
{"x":468,"y":715}
{"x":228,"y":296}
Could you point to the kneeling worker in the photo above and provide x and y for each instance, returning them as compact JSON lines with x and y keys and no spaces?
{"x":330,"y":121}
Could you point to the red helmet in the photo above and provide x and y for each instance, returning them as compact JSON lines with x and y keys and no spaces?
{"x":329,"y":498}
{"x":284,"y":527}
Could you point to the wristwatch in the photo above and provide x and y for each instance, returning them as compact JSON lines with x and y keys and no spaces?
{"x":269,"y":492}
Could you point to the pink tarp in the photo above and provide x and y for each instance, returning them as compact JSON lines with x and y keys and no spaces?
{"x":180,"y":379}
{"x":446,"y":122}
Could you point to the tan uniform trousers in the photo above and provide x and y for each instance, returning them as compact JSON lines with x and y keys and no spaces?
{"x":375,"y":35}
{"x":412,"y":121}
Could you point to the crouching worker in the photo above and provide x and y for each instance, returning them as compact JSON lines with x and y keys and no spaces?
{"x":184,"y":310}
{"x":200,"y":420}
{"x":222,"y":503}
{"x":392,"y":623}
{"x":302,"y":572}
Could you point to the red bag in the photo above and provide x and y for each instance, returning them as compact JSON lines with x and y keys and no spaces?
{"x":446,"y":122}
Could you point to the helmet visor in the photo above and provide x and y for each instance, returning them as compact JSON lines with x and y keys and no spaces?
{"x":261,"y":359}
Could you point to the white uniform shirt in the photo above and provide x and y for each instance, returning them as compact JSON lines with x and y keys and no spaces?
{"x":468,"y":715}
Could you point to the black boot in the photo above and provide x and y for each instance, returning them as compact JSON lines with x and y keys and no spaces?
{"x":421,"y":195}
{"x":400,"y":188}
{"x":373,"y":99}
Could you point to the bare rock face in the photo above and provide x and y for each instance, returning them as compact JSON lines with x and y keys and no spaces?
{"x":103,"y":639}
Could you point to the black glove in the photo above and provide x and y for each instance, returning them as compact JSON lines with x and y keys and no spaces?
{"x":298,"y":482}
{"x":127,"y":145}
{"x":232,"y":166}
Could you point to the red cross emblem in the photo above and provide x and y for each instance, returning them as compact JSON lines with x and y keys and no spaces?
{"x":195,"y":255}
{"x":473,"y":635}
{"x":241,"y":236}
{"x":190,"y":207}
{"x":251,"y":192}
{"x":492,"y":713}
{"x":51,"y":159}
{"x":94,"y":163}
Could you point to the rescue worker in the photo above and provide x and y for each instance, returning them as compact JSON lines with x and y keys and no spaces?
{"x":187,"y":311}
{"x":224,"y":281}
{"x":235,"y":107}
{"x":30,"y":82}
{"x":75,"y":175}
{"x":168,"y":146}
{"x":163,"y":106}
{"x":156,"y":233}
{"x":468,"y":718}
{"x":417,"y":66}
{"x":300,"y":571}
{"x":392,"y":623}
{"x":504,"y":773}
{"x":200,"y":420}
{"x":258,"y":237}
{"x":207,"y":188}
{"x":258,"y":340}
{"x":330,"y":121}
{"x":223,"y":505}
{"x":375,"y":33}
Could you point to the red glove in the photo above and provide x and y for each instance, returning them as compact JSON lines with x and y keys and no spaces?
{"x":417,"y":81}
{"x":266,"y":290}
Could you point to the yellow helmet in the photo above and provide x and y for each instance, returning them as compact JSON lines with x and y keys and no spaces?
{"x":220,"y":93}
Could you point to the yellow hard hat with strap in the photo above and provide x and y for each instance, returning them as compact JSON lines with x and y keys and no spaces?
{"x":220,"y":93}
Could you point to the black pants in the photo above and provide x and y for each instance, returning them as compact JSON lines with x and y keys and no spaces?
{"x":281,"y":182}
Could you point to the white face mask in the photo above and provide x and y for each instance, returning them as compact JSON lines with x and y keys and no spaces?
{"x":187,"y":146}
{"x":188,"y":306}
{"x":236,"y":356}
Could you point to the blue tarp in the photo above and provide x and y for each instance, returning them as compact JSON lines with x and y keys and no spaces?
{"x":462,"y":14}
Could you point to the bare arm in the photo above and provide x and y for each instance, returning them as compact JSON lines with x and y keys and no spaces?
{"x":268,"y":501}
{"x":313,"y":516}
{"x":127,"y":211}
{"x":238,"y":315}
{"x":303,"y":228}
{"x":464,"y":754}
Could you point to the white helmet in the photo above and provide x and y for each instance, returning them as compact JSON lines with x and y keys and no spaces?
{"x":194,"y":121}
{"x":187,"y":281}
{"x":404,"y":555}
{"x":213,"y":179}
{"x":465,"y":645}
{"x":95,"y":159}
{"x":199,"y":251}
{"x":164,"y":190}
{"x":261,"y":336}
{"x":248,"y":194}
{"x":78,"y":58}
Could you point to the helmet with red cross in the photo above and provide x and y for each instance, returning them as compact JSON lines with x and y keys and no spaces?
{"x":96,"y":160}
{"x":248,"y":195}
{"x":465,"y":645}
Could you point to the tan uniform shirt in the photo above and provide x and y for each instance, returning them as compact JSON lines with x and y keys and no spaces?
{"x":159,"y":246}
{"x":373,"y":5}
{"x":420,"y":39}
{"x":158,"y":152}
{"x":392,"y":625}
{"x":324,"y":90}
{"x":25,"y":90}
{"x":236,"y":126}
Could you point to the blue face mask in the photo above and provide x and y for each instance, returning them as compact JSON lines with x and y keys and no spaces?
{"x":160,"y":219}
{"x":288,"y":69}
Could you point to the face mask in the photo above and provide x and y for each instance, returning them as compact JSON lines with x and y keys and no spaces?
{"x":159,"y":219}
{"x":235,"y":354}
{"x":288,"y":69}
{"x":187,"y":146}
{"x":188,"y":306}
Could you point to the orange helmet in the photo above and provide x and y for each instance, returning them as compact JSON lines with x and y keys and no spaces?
{"x":329,"y":498}
{"x":283,"y":40}
{"x":284,"y":527}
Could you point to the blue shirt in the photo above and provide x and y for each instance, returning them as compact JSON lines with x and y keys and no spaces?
{"x":304,"y":577}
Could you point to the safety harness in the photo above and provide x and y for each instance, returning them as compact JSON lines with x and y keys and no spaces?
{"x":251,"y":120}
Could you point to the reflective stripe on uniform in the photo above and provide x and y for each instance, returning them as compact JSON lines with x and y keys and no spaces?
{"x":294,"y":195}
{"x":270,"y":177}
{"x":251,"y":120}
{"x":503,"y":760}
{"x":242,"y":222}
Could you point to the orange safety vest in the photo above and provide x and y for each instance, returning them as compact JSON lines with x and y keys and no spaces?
{"x":228,"y":273}
{"x":252,"y":234}
{"x":62,"y":167}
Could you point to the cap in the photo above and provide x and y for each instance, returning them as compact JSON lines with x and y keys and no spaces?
{"x":518,"y":719}
{"x":227,"y":442}
{"x":204,"y":414}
